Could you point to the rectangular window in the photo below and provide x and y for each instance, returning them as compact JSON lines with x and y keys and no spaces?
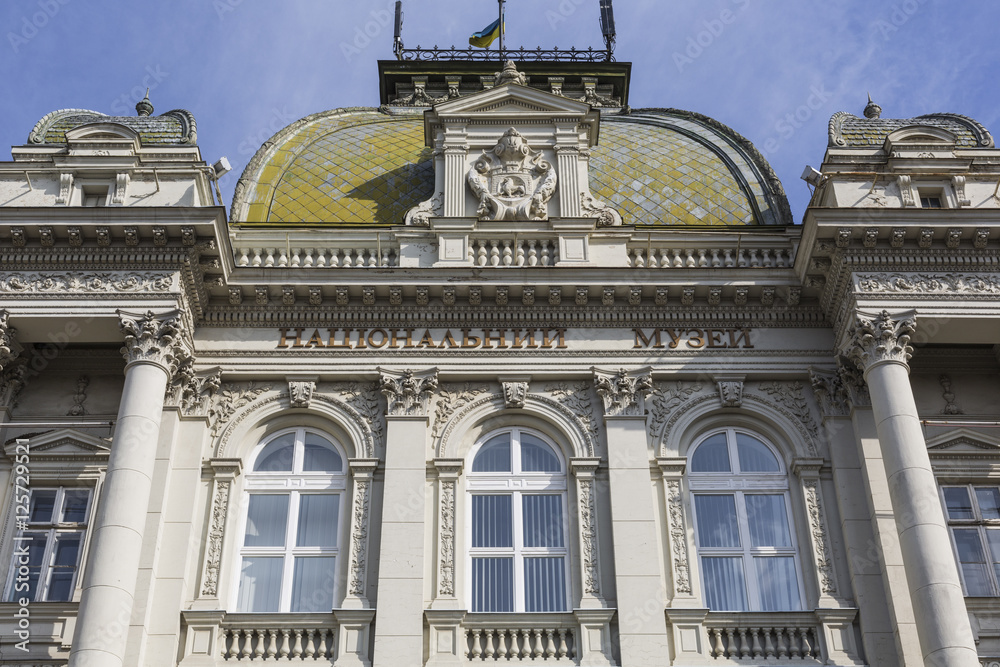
{"x":47,"y":553}
{"x":974,"y":519}
{"x":93,"y":196}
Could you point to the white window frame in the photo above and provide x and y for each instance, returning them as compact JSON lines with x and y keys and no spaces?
{"x":739,"y":485}
{"x":980,"y":525}
{"x":52,"y":530}
{"x":517,"y":484}
{"x":294,"y":484}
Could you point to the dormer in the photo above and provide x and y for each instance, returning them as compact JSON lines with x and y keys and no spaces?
{"x":103,"y":140}
{"x":924,"y":148}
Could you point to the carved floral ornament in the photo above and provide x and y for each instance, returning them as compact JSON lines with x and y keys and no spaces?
{"x":881,"y":338}
{"x":623,"y":393}
{"x":408,"y":393}
{"x":152,"y":338}
{"x":511,"y":181}
{"x":7,"y":344}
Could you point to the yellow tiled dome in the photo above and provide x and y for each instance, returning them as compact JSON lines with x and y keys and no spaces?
{"x":364,"y":167}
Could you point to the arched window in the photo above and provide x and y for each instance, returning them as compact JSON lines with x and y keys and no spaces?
{"x":291,"y":537}
{"x":742,"y":525}
{"x":516,"y":524}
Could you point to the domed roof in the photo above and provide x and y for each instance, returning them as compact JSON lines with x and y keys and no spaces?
{"x":367,"y":167}
{"x":175,"y":127}
{"x":849,"y":131}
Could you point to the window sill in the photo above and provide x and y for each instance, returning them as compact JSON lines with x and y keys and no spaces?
{"x":52,"y":626}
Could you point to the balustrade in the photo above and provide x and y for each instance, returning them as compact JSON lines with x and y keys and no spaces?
{"x":673,"y":258}
{"x":317,"y":258}
{"x":519,"y":252}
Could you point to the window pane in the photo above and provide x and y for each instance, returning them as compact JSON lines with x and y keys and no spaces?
{"x":276,"y":455}
{"x":711,"y":455}
{"x":725,"y":588}
{"x":312,"y":584}
{"x":993,"y":539}
{"x":957,"y":500}
{"x":768,"y":521}
{"x":544,"y":584}
{"x":42,"y":504}
{"x":67,"y":553}
{"x":543,"y":521}
{"x":778,"y":586}
{"x":492,"y":522}
{"x":318,"y":520}
{"x":260,"y":584}
{"x":754,"y":455}
{"x":717,"y":522}
{"x":492,"y":584}
{"x":536,"y":456}
{"x":320,"y":456}
{"x":988,"y":498}
{"x":267,"y":519}
{"x":973,"y":562}
{"x":35,"y":544}
{"x":494,"y":455}
{"x":75,"y":505}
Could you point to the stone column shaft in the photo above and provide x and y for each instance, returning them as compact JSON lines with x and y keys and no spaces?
{"x":881,"y":347}
{"x":113,"y":561}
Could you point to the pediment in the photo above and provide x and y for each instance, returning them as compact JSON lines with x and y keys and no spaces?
{"x":920,"y":136}
{"x":512,"y":98}
{"x":63,"y":443}
{"x":963,"y":441}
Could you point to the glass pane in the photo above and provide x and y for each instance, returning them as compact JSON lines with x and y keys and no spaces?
{"x":320,"y":455}
{"x":543,"y":520}
{"x":75,"y":505}
{"x":65,"y":557}
{"x":754,"y":455}
{"x":260,"y":584}
{"x":778,"y":585}
{"x":35,"y":544}
{"x":492,"y":522}
{"x":42,"y":504}
{"x":67,"y":550}
{"x":768,"y":521}
{"x":956,"y":499}
{"x":973,"y":561}
{"x":536,"y":456}
{"x":60,"y":586}
{"x":276,"y":455}
{"x":717,"y":522}
{"x":492,"y":584}
{"x":544,"y":584}
{"x":988,"y":498}
{"x":494,"y":455}
{"x":267,"y":518}
{"x":711,"y":455}
{"x":318,"y":520}
{"x":725,"y":588}
{"x":312,"y":584}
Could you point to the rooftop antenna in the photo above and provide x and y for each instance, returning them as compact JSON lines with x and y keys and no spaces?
{"x":397,"y":42}
{"x":608,"y":26}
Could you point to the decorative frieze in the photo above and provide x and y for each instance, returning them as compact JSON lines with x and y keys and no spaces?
{"x":623,"y":393}
{"x":407,"y":393}
{"x":880,"y":338}
{"x":152,"y":338}
{"x":79,"y":282}
{"x":929,"y":283}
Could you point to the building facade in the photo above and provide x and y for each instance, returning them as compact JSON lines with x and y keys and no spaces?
{"x":501,"y":370}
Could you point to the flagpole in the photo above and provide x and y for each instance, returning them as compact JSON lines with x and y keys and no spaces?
{"x":502,"y":2}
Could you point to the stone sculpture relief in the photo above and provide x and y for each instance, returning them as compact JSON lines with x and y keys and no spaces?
{"x":511,"y":181}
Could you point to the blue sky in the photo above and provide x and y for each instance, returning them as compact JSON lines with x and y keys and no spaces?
{"x":774,"y":70}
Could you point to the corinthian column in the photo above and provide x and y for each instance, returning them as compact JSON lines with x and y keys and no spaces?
{"x":879,"y":345}
{"x":151,"y":349}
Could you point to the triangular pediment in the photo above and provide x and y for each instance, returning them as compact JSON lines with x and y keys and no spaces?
{"x":963,"y":441}
{"x":62,"y":443}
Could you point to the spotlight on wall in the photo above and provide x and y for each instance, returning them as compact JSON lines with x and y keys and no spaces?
{"x":813,"y":177}
{"x":222,"y":167}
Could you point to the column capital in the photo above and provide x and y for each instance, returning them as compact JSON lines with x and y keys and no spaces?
{"x":406,"y":392}
{"x":623,"y":393}
{"x":881,"y":338}
{"x":8,"y":348}
{"x":153,"y":339}
{"x":853,"y":382}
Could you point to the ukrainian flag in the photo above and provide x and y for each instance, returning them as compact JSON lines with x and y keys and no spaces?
{"x":485,"y":37}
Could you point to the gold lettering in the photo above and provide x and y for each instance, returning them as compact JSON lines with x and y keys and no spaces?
{"x":737,"y":335}
{"x":547,"y":340}
{"x":698,"y":336}
{"x":394,"y":343}
{"x":675,"y":337}
{"x":647,"y":341}
{"x":283,"y":343}
{"x":381,"y":343}
{"x":347,"y":338}
{"x":470,"y":341}
{"x":427,"y":340}
{"x":360,"y":345}
{"x":499,"y":338}
{"x":448,"y":338}
{"x":520,"y":340}
{"x":298,"y":337}
{"x":715,"y":338}
{"x":316,"y":340}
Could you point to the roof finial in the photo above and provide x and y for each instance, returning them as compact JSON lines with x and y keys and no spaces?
{"x":510,"y":75}
{"x":873,"y":110}
{"x":144,"y":107}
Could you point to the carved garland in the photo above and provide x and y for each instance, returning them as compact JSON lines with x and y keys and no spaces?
{"x":452,"y":397}
{"x":821,"y":546}
{"x":86,"y":283}
{"x":359,"y":536}
{"x":929,"y":283}
{"x":678,"y":537}
{"x":217,"y":530}
{"x":446,"y":586}
{"x":588,"y":532}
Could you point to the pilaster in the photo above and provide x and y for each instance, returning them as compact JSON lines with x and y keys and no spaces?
{"x":224,"y":473}
{"x":584,"y":470}
{"x":362,"y":472}
{"x":448,"y":471}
